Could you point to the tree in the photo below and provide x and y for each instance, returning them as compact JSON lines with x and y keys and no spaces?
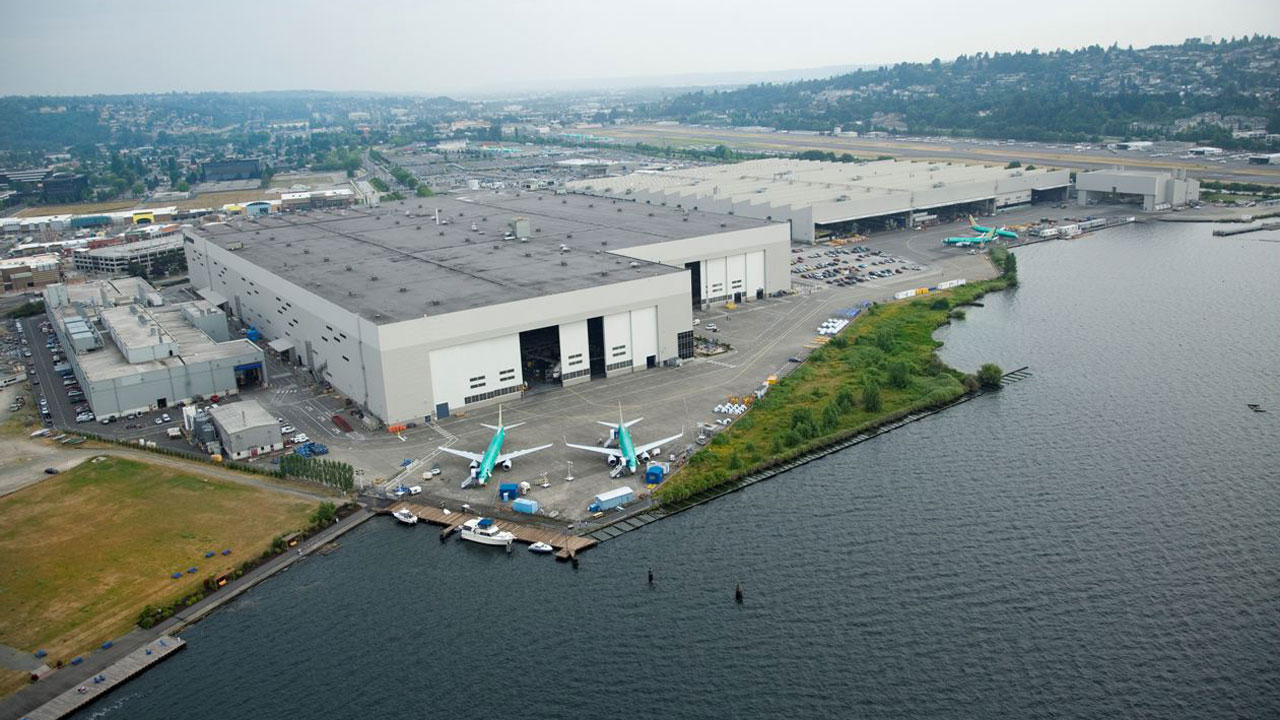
{"x":989,"y":376}
{"x":1013,"y":164}
{"x":871,"y":397}
{"x":183,"y":186}
{"x":1011,"y":267}
{"x":424,"y":191}
{"x":324,"y":514}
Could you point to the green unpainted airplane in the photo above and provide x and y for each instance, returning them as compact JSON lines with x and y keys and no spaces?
{"x":627,"y":452}
{"x":1001,"y":232}
{"x":482,"y":464}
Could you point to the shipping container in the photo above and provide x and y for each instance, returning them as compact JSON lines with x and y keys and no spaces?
{"x":612,"y":499}
{"x":525,"y":505}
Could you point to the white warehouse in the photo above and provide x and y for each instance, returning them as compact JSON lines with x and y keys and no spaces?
{"x":423,"y":307}
{"x":823,"y":197}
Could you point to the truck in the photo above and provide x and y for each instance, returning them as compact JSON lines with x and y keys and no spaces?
{"x":612,"y":499}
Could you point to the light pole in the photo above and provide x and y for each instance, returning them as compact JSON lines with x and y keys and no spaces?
{"x":569,"y":476}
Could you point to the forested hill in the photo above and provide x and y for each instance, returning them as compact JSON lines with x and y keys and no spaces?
{"x":1061,"y":95}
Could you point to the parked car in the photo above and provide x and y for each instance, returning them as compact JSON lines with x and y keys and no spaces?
{"x":165,"y":418}
{"x":712,"y":327}
{"x":51,"y":471}
{"x":288,"y":429}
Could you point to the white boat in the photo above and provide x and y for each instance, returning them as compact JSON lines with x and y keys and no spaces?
{"x":406,"y":516}
{"x":486,"y":532}
{"x":541,"y":547}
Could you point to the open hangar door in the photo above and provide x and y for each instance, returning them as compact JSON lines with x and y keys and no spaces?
{"x":540,"y":356}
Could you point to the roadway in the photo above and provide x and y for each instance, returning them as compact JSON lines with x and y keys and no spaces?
{"x":992,"y":152}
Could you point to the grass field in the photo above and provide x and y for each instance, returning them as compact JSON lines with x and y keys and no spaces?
{"x":883,"y":366}
{"x":76,"y":208}
{"x":82,"y":553}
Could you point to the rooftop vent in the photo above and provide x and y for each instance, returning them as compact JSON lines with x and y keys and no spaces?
{"x":373,"y":278}
{"x":325,"y":259}
{"x":306,"y":251}
{"x":564,"y":263}
{"x":435,"y":302}
{"x":404,"y":289}
{"x":348,"y":268}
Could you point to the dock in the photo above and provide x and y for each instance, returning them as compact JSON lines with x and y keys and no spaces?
{"x":567,"y":545}
{"x":118,"y":673}
{"x":1227,"y":232}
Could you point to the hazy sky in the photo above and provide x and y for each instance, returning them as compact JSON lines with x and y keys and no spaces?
{"x":461,"y":46}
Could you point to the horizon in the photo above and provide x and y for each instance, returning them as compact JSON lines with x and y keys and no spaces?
{"x":397,"y":52}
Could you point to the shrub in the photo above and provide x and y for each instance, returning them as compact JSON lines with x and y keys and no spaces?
{"x":940,"y":304}
{"x":989,"y":376}
{"x":871,"y":401}
{"x":899,"y":372}
{"x":971,"y":383}
{"x":956,"y":314}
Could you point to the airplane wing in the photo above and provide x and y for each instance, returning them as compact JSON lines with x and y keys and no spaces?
{"x":513,"y":455}
{"x":464,"y":454}
{"x":615,"y":452}
{"x":657,"y":443}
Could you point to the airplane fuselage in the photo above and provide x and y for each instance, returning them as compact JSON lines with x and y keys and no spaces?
{"x":490,"y":457}
{"x":627,"y":447}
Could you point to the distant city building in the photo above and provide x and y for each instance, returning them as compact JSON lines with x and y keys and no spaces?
{"x":26,"y":273}
{"x":242,"y":169}
{"x":45,"y":185}
{"x":145,"y":256}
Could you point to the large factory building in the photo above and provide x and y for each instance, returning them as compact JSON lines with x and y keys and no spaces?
{"x":423,"y":307}
{"x":822,"y":198}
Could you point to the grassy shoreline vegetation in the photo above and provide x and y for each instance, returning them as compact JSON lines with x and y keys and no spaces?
{"x":882,"y":367}
{"x":83,"y":552}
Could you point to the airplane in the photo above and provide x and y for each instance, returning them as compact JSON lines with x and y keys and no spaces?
{"x":988,"y":234}
{"x":1001,"y":232}
{"x":482,"y":465}
{"x":627,"y":453}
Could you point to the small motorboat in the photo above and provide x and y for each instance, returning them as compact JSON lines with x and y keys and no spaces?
{"x":541,"y":547}
{"x":406,"y":516}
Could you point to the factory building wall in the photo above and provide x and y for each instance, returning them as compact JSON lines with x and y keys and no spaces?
{"x":327,"y":338}
{"x":174,"y":384}
{"x":426,"y":361}
{"x":739,"y":261}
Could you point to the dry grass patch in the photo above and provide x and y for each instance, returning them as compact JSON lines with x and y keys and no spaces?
{"x":83,"y":552}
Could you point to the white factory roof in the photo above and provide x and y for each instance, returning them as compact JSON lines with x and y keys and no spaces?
{"x":888,"y":185}
{"x":240,"y":416}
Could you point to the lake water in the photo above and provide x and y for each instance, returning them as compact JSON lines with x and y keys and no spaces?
{"x":1098,"y":541}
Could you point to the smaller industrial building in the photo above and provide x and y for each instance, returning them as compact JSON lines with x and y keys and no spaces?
{"x":1154,"y":189}
{"x":30,"y":272}
{"x":147,"y":256}
{"x":131,"y":352}
{"x":246,"y":429}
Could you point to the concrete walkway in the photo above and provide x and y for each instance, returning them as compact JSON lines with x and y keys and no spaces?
{"x":27,"y":700}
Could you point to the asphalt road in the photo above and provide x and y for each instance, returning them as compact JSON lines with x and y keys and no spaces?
{"x":1027,"y":153}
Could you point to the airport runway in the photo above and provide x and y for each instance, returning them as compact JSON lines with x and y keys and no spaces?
{"x":1027,"y":153}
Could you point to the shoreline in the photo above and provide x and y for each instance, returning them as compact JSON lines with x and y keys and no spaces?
{"x":35,"y":697}
{"x":679,"y":488}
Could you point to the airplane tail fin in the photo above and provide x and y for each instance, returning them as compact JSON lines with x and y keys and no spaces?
{"x":629,"y":423}
{"x":512,"y":425}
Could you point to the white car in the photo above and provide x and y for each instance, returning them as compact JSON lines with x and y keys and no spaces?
{"x":299,"y":439}
{"x":165,"y":418}
{"x":288,"y":429}
{"x":712,"y":327}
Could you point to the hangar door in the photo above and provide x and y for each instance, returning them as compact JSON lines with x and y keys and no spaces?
{"x":644,"y":337}
{"x":755,"y":274}
{"x":474,"y":372}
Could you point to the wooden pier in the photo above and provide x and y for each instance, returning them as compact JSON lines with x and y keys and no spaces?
{"x":118,"y":673}
{"x":567,"y":545}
